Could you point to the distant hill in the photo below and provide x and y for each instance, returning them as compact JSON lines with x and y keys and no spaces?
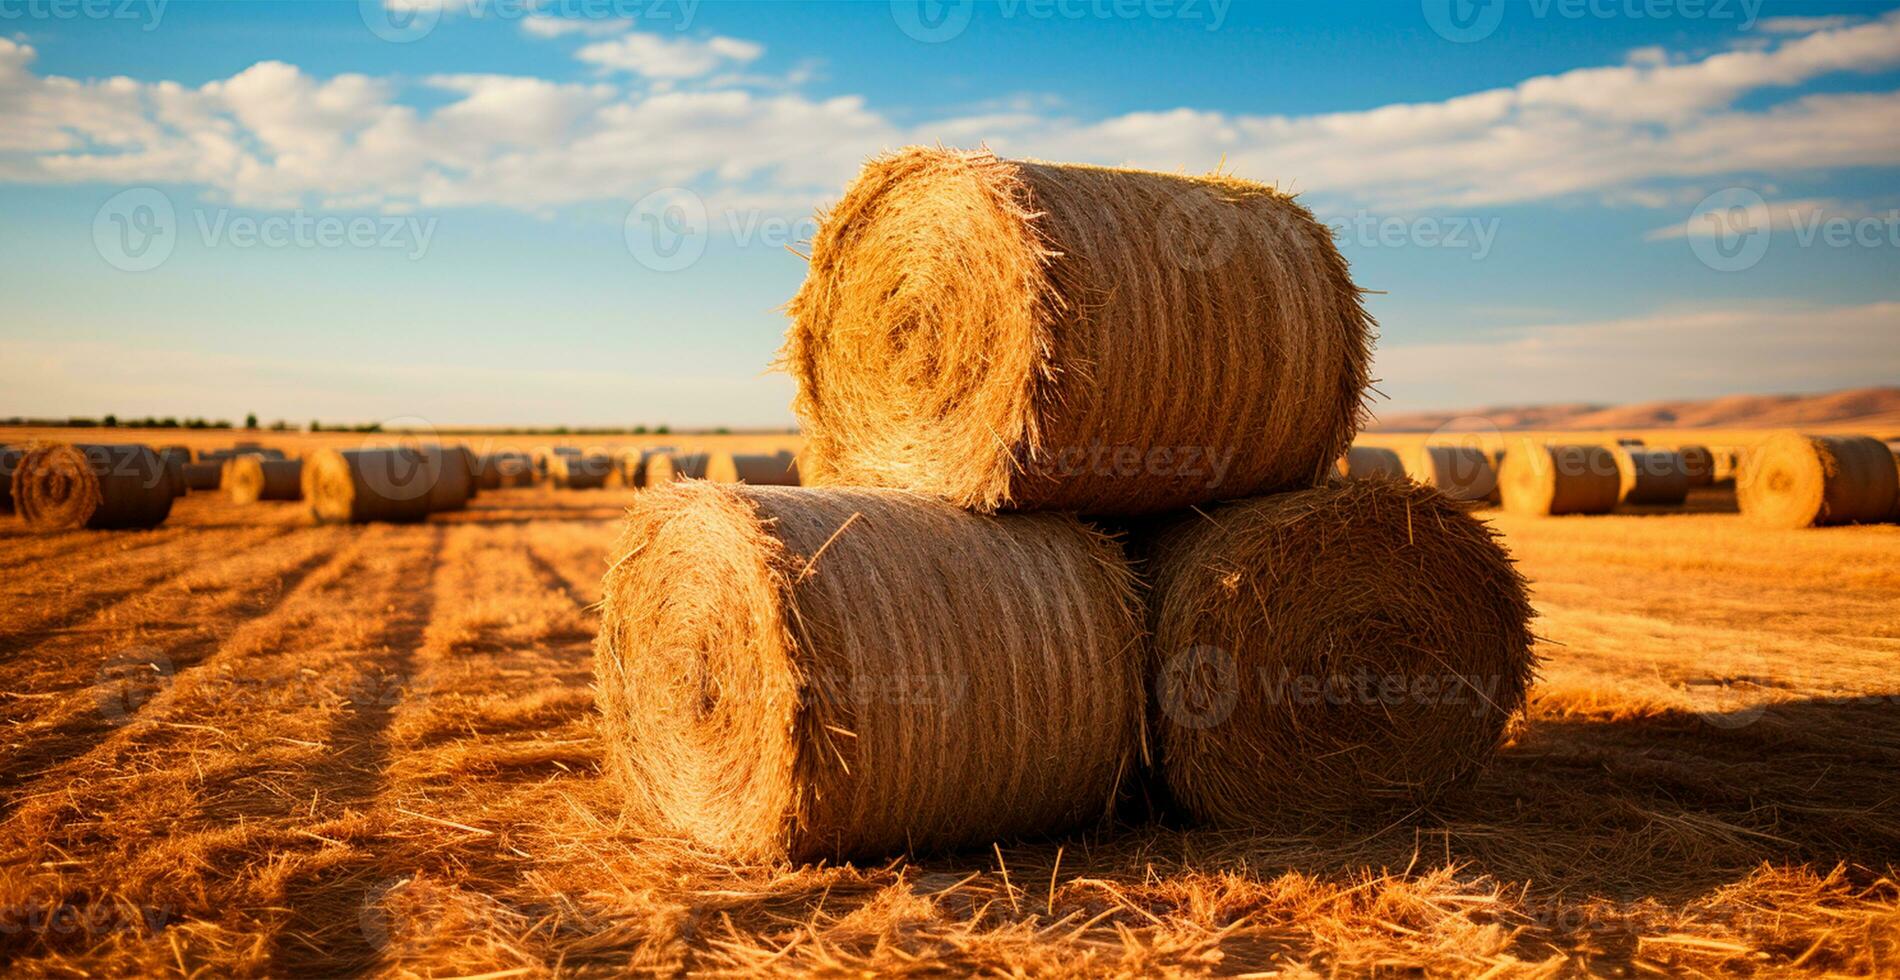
{"x":1877,"y":409}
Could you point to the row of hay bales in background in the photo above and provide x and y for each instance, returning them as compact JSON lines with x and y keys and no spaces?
{"x":129,"y":486}
{"x":1011,"y":600}
{"x":1788,"y":479}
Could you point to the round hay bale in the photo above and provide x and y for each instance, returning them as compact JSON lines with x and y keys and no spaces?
{"x":1650,"y":476}
{"x":778,"y":469}
{"x":1795,"y":480}
{"x":360,"y":485}
{"x":204,"y":476}
{"x":664,"y":468}
{"x":175,"y":459}
{"x":1371,"y":463}
{"x":9,"y":459}
{"x":1014,"y":334}
{"x":497,"y":470}
{"x":1462,"y":472}
{"x":630,"y":466}
{"x":788,"y":672}
{"x":1698,"y":463}
{"x":59,"y":487}
{"x":470,"y":465}
{"x":249,"y":479}
{"x":1351,"y":650}
{"x":1553,"y":480}
{"x":579,"y":471}
{"x":445,"y":468}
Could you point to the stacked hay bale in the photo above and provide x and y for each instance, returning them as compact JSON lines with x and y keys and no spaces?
{"x":779,"y":469}
{"x":1794,"y":480}
{"x":62,"y":487}
{"x":752,"y":636}
{"x":1462,"y":472}
{"x":249,"y":479}
{"x":1551,"y":480}
{"x":1650,"y":476}
{"x":1371,"y":463}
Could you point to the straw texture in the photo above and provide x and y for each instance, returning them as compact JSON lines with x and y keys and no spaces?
{"x":1462,"y":472}
{"x":1650,"y":476}
{"x":797,"y":673}
{"x":1014,"y":334}
{"x":60,"y":487}
{"x":1356,"y":649}
{"x":249,"y":479}
{"x":356,"y":486}
{"x":778,"y":469}
{"x":1371,"y":463}
{"x":1553,"y":480}
{"x":1796,"y":480}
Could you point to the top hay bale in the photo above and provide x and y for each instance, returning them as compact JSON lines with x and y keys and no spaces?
{"x":61,"y":487}
{"x":787,"y":672}
{"x":1794,"y":480}
{"x":1015,"y":334}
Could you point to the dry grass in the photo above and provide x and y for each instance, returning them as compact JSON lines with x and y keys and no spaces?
{"x":373,"y":749}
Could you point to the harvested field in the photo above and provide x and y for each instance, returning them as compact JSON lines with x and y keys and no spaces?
{"x":240,"y":743}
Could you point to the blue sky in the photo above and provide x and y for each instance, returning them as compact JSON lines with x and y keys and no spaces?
{"x":442,"y":211}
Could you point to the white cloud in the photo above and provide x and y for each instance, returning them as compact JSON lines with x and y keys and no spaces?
{"x":1802,"y":215}
{"x":543,"y":26}
{"x":1665,"y":354}
{"x":273,"y":135}
{"x":653,"y":56}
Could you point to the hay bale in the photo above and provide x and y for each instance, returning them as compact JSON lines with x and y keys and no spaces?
{"x":1795,"y":480}
{"x":580,"y":471}
{"x":59,"y":487}
{"x":360,"y":485}
{"x":664,"y":468}
{"x":1650,"y":476}
{"x":445,"y":470}
{"x":787,"y":672}
{"x":469,"y":466}
{"x":1371,"y":463}
{"x":9,"y":459}
{"x":1554,"y":479}
{"x":494,"y":471}
{"x":1351,"y":650}
{"x":249,"y":479}
{"x":1013,"y":334}
{"x":1728,"y":463}
{"x":1462,"y":472}
{"x":1698,"y":463}
{"x":630,"y":466}
{"x":204,"y":476}
{"x":175,"y":459}
{"x":779,"y":469}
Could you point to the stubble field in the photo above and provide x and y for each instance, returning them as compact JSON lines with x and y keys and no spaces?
{"x":241,"y":743}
